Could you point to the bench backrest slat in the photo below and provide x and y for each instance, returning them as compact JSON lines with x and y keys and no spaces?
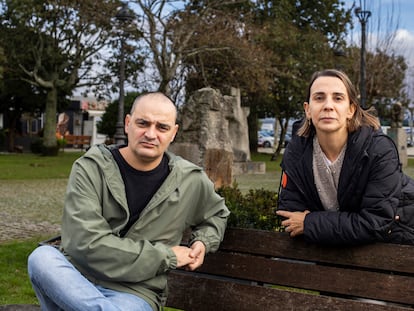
{"x":315,"y":277}
{"x":390,"y":257}
{"x":262,"y":267}
{"x":78,"y":140}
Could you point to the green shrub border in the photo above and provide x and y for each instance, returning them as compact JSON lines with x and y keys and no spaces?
{"x":255,"y":209}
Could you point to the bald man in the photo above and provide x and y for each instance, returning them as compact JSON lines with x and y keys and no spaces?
{"x":125,"y":212}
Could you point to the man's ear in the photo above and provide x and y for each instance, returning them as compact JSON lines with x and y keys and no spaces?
{"x":175,"y":133}
{"x":127,"y":120}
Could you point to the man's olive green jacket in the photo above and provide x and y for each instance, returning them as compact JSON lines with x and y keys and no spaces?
{"x":96,"y":210}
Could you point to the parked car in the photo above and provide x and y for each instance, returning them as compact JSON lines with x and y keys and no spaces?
{"x":265,"y":141}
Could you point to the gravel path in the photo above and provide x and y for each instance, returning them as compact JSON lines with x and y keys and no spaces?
{"x":33,"y":208}
{"x":30,"y":208}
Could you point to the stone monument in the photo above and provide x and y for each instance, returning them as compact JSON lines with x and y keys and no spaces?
{"x":397,"y":133}
{"x":214,"y":135}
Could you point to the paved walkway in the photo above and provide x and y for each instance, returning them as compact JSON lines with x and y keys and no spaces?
{"x":30,"y":208}
{"x":15,"y":229}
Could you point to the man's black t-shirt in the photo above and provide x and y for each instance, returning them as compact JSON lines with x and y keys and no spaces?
{"x":140,"y":186}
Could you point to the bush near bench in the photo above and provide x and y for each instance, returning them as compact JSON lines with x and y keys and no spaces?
{"x":255,"y":209}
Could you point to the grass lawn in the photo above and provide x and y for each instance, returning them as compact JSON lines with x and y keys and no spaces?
{"x":31,"y":166}
{"x":15,"y":287}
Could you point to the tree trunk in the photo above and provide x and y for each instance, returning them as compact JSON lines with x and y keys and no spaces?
{"x":50,"y":146}
{"x":253,"y":128}
{"x":11,"y":135}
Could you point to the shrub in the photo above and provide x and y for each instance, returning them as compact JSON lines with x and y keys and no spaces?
{"x":256,"y":209}
{"x":2,"y":135}
{"x":36,"y":146}
{"x":61,"y":142}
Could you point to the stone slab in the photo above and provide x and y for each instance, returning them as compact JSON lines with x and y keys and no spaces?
{"x":399,"y":136}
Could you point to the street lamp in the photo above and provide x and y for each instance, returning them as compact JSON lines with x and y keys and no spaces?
{"x":411,"y":108}
{"x":339,"y":53}
{"x":363,"y":16}
{"x":124,"y":16}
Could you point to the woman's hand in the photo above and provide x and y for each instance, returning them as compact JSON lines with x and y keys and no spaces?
{"x":294,"y":222}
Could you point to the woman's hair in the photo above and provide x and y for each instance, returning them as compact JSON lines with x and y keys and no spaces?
{"x":361,"y":117}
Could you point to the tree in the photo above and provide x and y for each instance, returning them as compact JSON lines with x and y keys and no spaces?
{"x":2,"y":61}
{"x":263,"y":46}
{"x":65,"y":39}
{"x":168,"y":27}
{"x":384,"y":77}
{"x":225,"y":53}
{"x":301,"y":37}
{"x":18,"y":97}
{"x":107,"y":125}
{"x":385,"y":70}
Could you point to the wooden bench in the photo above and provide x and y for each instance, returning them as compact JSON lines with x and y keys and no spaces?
{"x":262,"y":270}
{"x":78,"y":141}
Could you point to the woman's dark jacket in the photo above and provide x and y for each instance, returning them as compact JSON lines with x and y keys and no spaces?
{"x":376,"y":200}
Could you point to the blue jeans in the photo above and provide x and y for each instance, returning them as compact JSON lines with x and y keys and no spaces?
{"x":60,"y":286}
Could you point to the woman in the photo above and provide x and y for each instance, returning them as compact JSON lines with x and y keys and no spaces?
{"x":342,"y":181}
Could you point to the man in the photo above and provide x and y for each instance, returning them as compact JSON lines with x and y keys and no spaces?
{"x":125,"y":212}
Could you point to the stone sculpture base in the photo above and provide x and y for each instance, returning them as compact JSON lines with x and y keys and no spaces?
{"x":399,"y":136}
{"x":249,"y":167}
{"x":214,"y":135}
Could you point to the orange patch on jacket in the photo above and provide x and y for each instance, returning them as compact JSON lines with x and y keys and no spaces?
{"x":284,"y":180}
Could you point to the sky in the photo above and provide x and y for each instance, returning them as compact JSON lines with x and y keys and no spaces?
{"x":388,"y":17}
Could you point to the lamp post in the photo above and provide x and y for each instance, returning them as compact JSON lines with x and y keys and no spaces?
{"x":363,"y":16}
{"x":339,"y":53}
{"x":411,"y":108}
{"x":124,"y":16}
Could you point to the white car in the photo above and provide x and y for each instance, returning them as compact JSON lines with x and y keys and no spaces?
{"x":265,"y":141}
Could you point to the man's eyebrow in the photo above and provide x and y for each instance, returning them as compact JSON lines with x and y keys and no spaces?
{"x":152,"y":122}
